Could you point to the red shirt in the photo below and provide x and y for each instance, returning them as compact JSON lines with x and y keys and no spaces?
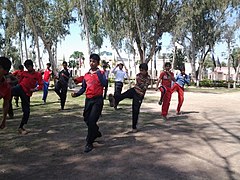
{"x":94,"y":87}
{"x":5,"y":90}
{"x":46,"y":75}
{"x":166,"y":80}
{"x":30,"y":81}
{"x":18,"y":73}
{"x":78,"y":79}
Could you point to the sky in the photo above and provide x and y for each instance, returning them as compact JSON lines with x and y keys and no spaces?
{"x":73,"y":42}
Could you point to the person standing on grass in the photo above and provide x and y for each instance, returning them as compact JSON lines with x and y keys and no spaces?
{"x":46,"y":81}
{"x":93,"y":83}
{"x":61,"y":86}
{"x":24,"y":89}
{"x":5,"y":88}
{"x":178,"y":86}
{"x":120,"y":75}
{"x":136,"y":93}
{"x":165,"y":79}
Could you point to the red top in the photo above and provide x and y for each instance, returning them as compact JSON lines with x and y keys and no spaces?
{"x":166,"y":79}
{"x":18,"y":73}
{"x":46,"y":75}
{"x":78,"y":79}
{"x":94,"y":87}
{"x":30,"y":81}
{"x":5,"y":90}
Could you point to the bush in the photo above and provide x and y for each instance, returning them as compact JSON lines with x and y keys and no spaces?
{"x":210,"y":83}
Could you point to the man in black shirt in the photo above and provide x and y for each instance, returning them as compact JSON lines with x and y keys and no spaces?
{"x":61,"y":86}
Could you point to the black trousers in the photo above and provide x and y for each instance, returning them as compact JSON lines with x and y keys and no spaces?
{"x":25,"y":102}
{"x":105,"y":90}
{"x":61,"y":90}
{"x":136,"y":103}
{"x":118,"y":87}
{"x":10,"y":109}
{"x":92,"y":111}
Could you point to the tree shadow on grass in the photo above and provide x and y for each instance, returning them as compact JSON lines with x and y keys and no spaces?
{"x":54,"y":149}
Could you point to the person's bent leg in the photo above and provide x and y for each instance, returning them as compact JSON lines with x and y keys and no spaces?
{"x":127,"y":94}
{"x":57,"y":89}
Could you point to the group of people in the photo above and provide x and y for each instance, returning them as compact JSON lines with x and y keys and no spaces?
{"x":94,"y":82}
{"x":21,"y":84}
{"x":170,"y":84}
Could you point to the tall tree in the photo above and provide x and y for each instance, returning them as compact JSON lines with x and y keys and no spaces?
{"x":199,"y":27}
{"x":49,"y":21}
{"x":145,"y":25}
{"x":236,"y":64}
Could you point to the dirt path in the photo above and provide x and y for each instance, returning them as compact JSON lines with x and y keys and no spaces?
{"x":202,"y":143}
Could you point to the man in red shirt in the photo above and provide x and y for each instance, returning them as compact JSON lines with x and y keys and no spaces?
{"x":5,"y":89}
{"x":93,"y":83}
{"x":165,"y":79}
{"x":25,"y":88}
{"x":46,"y":81}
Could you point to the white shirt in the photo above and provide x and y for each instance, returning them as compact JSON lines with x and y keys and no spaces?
{"x":119,"y":75}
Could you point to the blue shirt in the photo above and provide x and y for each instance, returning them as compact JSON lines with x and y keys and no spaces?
{"x":181,"y":79}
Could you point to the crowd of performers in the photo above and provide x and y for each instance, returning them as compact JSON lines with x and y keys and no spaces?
{"x":23,"y":83}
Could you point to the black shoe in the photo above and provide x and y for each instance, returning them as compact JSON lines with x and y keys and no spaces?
{"x":111,"y":100}
{"x":11,"y":116}
{"x":88,"y":148}
{"x":160,"y":102}
{"x":99,"y":134}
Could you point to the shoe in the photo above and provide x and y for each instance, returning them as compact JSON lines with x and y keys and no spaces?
{"x":88,"y":148}
{"x":44,"y":102}
{"x":3,"y":126}
{"x":178,"y":113}
{"x":11,"y":116}
{"x":22,"y":131}
{"x":134,"y":130}
{"x":111,"y":100}
{"x":160,"y":102}
{"x":164,"y":118}
{"x":99,"y":134}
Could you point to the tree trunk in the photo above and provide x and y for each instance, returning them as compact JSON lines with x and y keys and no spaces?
{"x":51,"y":58}
{"x":38,"y":51}
{"x":193,"y":60}
{"x":236,"y":76}
{"x":25,"y":42}
{"x":229,"y":64}
{"x":86,"y":26}
{"x":141,"y":47}
{"x":20,"y":47}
